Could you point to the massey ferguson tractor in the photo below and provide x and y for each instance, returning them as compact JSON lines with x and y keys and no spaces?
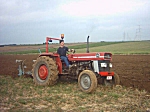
{"x":87,"y":68}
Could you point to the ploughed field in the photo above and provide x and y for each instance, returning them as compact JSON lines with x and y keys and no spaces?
{"x":133,"y":70}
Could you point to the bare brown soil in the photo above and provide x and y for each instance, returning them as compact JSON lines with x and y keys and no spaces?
{"x":133,"y":70}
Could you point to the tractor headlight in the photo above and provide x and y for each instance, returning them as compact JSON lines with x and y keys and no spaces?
{"x":110,"y":65}
{"x":107,"y":55}
{"x":103,"y":64}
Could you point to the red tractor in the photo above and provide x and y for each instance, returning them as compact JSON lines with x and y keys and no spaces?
{"x":87,"y":68}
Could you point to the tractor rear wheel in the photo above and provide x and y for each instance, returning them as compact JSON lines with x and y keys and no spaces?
{"x":87,"y":81}
{"x":115,"y":80}
{"x":44,"y":71}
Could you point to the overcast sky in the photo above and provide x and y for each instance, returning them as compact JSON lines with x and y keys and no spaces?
{"x":30,"y":21}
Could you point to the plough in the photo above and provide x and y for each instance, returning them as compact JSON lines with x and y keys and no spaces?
{"x":22,"y":67}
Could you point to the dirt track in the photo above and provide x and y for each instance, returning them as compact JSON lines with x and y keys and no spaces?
{"x":134,"y":70}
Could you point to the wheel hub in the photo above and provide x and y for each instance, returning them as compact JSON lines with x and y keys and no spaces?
{"x":43,"y":72}
{"x":85,"y":82}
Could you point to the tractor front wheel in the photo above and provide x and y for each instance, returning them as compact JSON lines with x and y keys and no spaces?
{"x":87,"y":81}
{"x":115,"y":80}
{"x":44,"y":71}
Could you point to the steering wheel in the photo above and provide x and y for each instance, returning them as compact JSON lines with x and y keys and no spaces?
{"x":72,"y":51}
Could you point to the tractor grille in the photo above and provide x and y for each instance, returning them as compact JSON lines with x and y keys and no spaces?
{"x":107,"y":68}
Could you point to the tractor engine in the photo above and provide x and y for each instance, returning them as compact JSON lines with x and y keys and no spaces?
{"x":99,"y":63}
{"x":79,"y":66}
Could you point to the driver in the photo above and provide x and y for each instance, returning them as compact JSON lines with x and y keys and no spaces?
{"x":62,"y":50}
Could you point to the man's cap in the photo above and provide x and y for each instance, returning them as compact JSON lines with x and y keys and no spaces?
{"x":61,"y":41}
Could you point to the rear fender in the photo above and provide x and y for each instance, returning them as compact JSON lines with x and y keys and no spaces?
{"x":59,"y":64}
{"x":56,"y":57}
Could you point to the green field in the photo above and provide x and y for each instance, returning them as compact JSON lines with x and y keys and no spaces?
{"x":142,"y":47}
{"x":134,"y":47}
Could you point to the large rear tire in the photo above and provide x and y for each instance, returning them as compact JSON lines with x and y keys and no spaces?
{"x":45,"y":71}
{"x":87,"y":81}
{"x":115,"y":81}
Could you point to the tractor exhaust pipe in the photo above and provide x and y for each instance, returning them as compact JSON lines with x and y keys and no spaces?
{"x":88,"y":45}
